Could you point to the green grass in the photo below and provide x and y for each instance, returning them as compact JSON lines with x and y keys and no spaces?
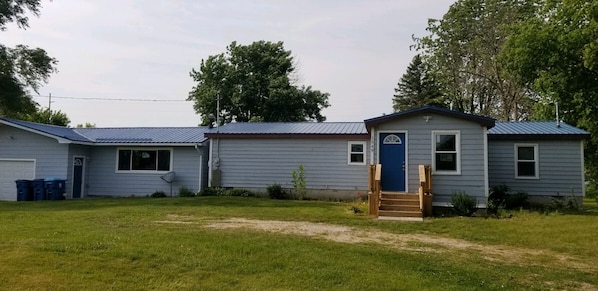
{"x":125,"y":244}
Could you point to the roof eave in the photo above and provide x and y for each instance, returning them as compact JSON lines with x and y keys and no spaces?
{"x":154,"y":144}
{"x":538,"y":136}
{"x":482,"y":120}
{"x":286,"y":136}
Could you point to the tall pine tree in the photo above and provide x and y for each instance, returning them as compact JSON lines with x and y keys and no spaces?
{"x":416,"y":88}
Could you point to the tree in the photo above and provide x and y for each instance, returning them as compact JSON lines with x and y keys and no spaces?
{"x":47,"y":116}
{"x":253,"y":83}
{"x":462,"y":50}
{"x":416,"y":88}
{"x":556,"y":55}
{"x":21,"y":68}
{"x":86,"y":125}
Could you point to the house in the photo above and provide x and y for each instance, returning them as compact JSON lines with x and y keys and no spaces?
{"x":466,"y":153}
{"x":461,"y":152}
{"x":102,"y":161}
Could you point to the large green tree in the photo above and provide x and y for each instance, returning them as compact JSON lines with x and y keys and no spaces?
{"x":21,"y":68}
{"x":47,"y":116}
{"x":462,"y":50}
{"x":416,"y":88}
{"x":254,"y":83}
{"x":556,"y":55}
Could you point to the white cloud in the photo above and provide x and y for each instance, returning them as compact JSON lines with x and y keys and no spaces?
{"x":355,"y":50}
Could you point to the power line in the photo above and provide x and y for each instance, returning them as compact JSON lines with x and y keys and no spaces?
{"x":109,"y":99}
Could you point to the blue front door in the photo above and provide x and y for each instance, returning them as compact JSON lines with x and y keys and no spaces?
{"x":392,"y":158}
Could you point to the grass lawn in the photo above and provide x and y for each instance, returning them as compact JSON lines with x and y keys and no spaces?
{"x":231,"y":243}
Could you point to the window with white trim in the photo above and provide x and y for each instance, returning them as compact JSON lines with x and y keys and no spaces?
{"x":526,"y":161}
{"x":356,"y":152}
{"x":446,"y":151}
{"x":143,"y":160}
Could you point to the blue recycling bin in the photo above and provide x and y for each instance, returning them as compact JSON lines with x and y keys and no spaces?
{"x":39,"y":189}
{"x":55,"y":188}
{"x":24,"y":190}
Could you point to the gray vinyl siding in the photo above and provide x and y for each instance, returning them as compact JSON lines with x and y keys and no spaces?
{"x":560,"y":171}
{"x":105,"y":181}
{"x":419,"y":152}
{"x":50,"y":156}
{"x":258,"y":163}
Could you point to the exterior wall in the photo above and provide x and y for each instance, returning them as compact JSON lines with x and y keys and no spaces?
{"x":472,"y":179}
{"x":104,"y":181}
{"x":258,"y":163}
{"x":50,"y":156}
{"x":560,"y":168}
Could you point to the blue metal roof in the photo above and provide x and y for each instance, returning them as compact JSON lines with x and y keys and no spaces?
{"x":53,"y":130}
{"x":291,"y":128}
{"x":137,"y":135}
{"x":536,"y":128}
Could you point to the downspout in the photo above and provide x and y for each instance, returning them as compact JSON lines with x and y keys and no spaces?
{"x":200,"y":166}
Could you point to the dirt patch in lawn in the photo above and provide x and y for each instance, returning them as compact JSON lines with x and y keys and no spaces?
{"x":408,"y":242}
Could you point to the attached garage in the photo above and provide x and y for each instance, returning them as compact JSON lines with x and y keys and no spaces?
{"x":12,"y":170}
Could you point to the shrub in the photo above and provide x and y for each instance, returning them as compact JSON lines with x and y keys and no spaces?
{"x":275,"y":191}
{"x":463,"y":204}
{"x":240,"y":193}
{"x":186,"y":192}
{"x":517,"y":201}
{"x":158,"y":194}
{"x":211,"y":191}
{"x":564,"y":203}
{"x":299,"y":182}
{"x":496,"y":199}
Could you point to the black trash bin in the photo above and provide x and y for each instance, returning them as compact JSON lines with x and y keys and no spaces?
{"x":39,"y":189}
{"x":55,"y":188}
{"x":24,"y":190}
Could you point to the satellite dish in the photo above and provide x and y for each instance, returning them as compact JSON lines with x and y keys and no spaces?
{"x":168,"y":177}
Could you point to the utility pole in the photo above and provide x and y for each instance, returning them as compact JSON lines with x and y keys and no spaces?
{"x":50,"y":102}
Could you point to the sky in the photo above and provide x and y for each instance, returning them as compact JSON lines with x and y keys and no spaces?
{"x":110,"y":50}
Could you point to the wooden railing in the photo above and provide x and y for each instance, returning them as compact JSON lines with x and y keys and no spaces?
{"x":425,"y":189}
{"x":375,"y":176}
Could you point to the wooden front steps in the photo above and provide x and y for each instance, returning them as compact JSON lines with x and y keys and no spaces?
{"x":400,"y":206}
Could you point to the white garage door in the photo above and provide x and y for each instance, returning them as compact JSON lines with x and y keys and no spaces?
{"x":10,"y":171}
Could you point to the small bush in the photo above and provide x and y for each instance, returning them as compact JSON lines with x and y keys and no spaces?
{"x":186,"y":192}
{"x":463,"y":204}
{"x":158,"y":194}
{"x":564,"y":203}
{"x":517,"y":201}
{"x":211,"y":191}
{"x":240,"y":193}
{"x":275,"y":191}
{"x":496,"y":199}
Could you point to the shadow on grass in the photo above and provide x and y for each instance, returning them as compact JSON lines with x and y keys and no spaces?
{"x":115,"y":202}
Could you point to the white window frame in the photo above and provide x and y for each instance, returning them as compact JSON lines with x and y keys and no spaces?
{"x":349,"y":152}
{"x":536,"y":161}
{"x":457,"y":134}
{"x":144,"y":171}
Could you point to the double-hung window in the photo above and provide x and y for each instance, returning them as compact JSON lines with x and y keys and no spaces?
{"x":356,"y":153}
{"x":526,"y":161}
{"x":446,"y":152}
{"x":144,"y":160}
